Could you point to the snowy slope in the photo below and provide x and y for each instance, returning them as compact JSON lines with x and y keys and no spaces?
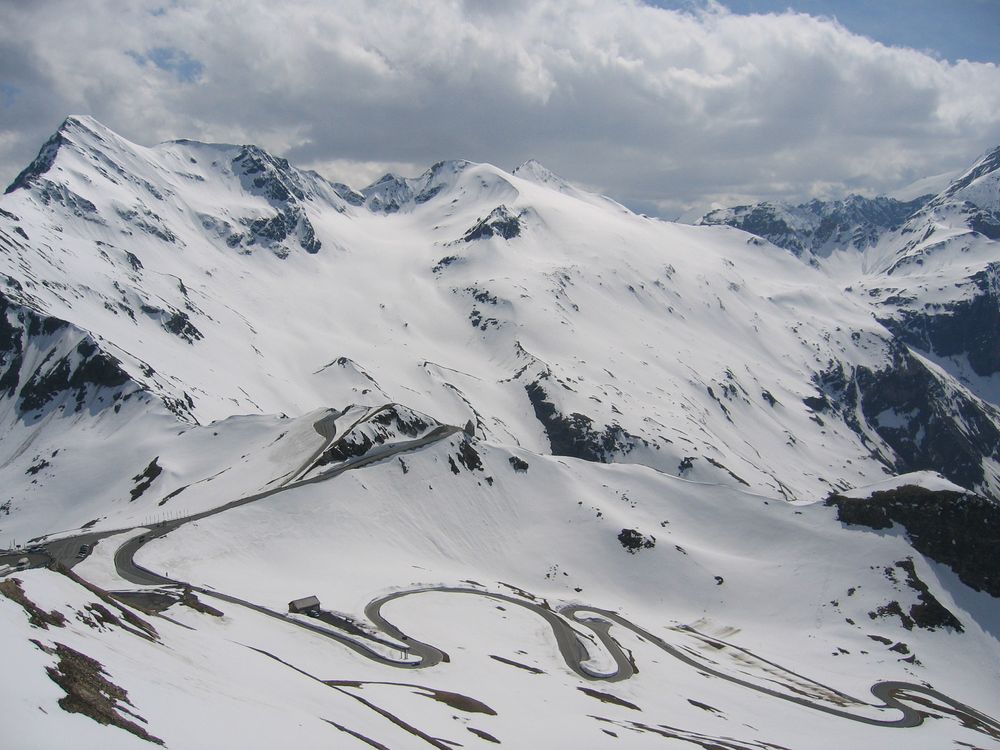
{"x":465,"y":293}
{"x":268,"y":385}
{"x":929,"y":277}
{"x":782,"y":620}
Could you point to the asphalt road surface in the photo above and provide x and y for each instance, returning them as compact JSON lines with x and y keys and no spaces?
{"x":67,"y":551}
{"x":892,"y":694}
{"x":895,"y":696}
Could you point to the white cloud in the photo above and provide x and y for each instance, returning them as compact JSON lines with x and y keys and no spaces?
{"x":661,"y":109}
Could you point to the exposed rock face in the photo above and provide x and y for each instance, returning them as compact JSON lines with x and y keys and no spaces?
{"x":73,"y":375}
{"x":986,"y":165}
{"x":500,"y":223}
{"x":392,"y":423}
{"x":390,"y":193}
{"x":574,"y":435}
{"x":934,"y":283}
{"x":89,"y":691}
{"x":928,"y":424}
{"x":267,"y":175}
{"x":283,"y":187}
{"x":927,"y":612}
{"x":964,"y":327}
{"x":41,"y":164}
{"x":819,"y":226}
{"x":961,"y":531}
{"x":924,"y":422}
{"x":633,"y":541}
{"x":987,"y":223}
{"x":273,"y":231}
{"x":387,"y":194}
{"x":91,"y":368}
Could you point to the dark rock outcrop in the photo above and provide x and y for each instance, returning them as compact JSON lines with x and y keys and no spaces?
{"x":924,"y":420}
{"x":574,"y":435}
{"x":819,"y":225}
{"x":41,"y":164}
{"x":959,"y":530}
{"x":283,"y":187}
{"x":500,"y":223}
{"x":633,"y":541}
{"x":928,"y":424}
{"x":970,"y":326}
{"x":76,"y":377}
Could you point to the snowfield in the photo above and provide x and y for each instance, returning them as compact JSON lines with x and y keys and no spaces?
{"x":556,"y":472}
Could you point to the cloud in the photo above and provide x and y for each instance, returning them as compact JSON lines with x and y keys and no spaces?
{"x":176,"y":61}
{"x":662,"y":109}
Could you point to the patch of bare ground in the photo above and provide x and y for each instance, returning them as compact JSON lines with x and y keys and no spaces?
{"x":132,"y":622}
{"x":705,"y":741}
{"x":483,"y":735}
{"x":510,"y":662}
{"x":147,"y":602}
{"x":357,"y":735}
{"x":608,"y":698}
{"x":90,"y":692}
{"x":12,"y":589}
{"x":453,"y":700}
{"x":189,"y":599}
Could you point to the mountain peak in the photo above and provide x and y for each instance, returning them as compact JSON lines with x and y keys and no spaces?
{"x":391,"y":192}
{"x":987,"y":164}
{"x":75,"y":129}
{"x":86,"y":123}
{"x":819,"y":226}
{"x":388,"y":177}
{"x":40,"y":164}
{"x":448,"y":166}
{"x":534,"y":171}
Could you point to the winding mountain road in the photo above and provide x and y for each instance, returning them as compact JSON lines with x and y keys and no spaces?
{"x":894,"y":696}
{"x":65,"y":551}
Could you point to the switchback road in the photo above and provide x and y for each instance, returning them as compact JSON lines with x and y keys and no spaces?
{"x":896,"y":697}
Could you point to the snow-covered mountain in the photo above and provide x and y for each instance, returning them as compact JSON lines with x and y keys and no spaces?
{"x":492,"y":383}
{"x":819,"y":227}
{"x":928,"y":268}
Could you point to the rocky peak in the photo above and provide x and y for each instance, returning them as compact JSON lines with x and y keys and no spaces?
{"x":387,"y":194}
{"x":74,"y":130}
{"x":972,"y":200}
{"x":534,"y":171}
{"x":819,"y":227}
{"x":391,"y":192}
{"x":499,"y":223}
{"x":41,"y":164}
{"x":345,"y":192}
{"x":988,"y":164}
{"x":268,"y":175}
{"x":85,"y":140}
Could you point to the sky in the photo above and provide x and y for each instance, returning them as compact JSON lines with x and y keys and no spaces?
{"x":671,"y":107}
{"x":952,"y":29}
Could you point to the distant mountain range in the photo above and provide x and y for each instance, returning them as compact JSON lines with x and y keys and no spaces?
{"x":820,"y":227}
